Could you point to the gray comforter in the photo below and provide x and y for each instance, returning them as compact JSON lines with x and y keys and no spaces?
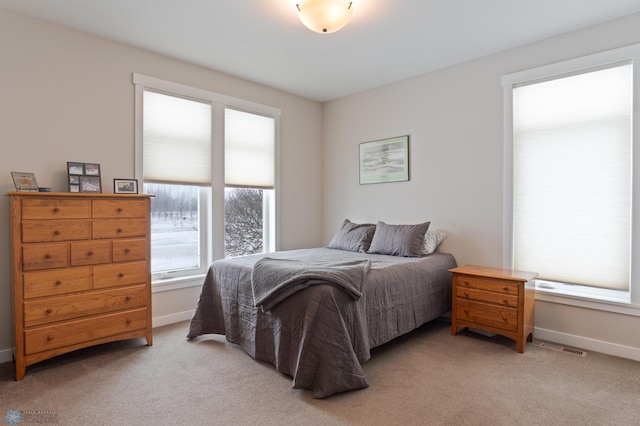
{"x":321,"y":336}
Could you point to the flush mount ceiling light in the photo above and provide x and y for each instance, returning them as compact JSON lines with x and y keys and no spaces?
{"x":325,"y":16}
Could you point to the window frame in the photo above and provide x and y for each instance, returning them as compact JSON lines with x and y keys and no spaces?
{"x":583,"y":296}
{"x":214,"y":203}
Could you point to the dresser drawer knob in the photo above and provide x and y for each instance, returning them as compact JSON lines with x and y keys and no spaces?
{"x":48,"y":311}
{"x":127,"y":251}
{"x":56,"y":232}
{"x":127,"y":299}
{"x":90,"y":253}
{"x":506,"y":289}
{"x":58,"y":282}
{"x":47,"y":256}
{"x":119,"y":230}
{"x":466,"y":294}
{"x":49,"y":338}
{"x":56,"y":209}
{"x":119,"y":209}
{"x":466,"y":311}
{"x":120,"y":275}
{"x":505,"y":301}
{"x":129,"y":321}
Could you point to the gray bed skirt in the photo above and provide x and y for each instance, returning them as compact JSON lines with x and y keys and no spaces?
{"x":321,"y":336}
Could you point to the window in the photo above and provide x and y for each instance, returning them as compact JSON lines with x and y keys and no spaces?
{"x":249,"y":182}
{"x":188,"y":143}
{"x":569,"y":160}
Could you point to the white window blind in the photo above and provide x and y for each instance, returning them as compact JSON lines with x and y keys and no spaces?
{"x":249,"y":150}
{"x":572,"y":170}
{"x":177,"y":140}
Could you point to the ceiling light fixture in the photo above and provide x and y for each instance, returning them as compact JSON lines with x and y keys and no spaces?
{"x":325,"y":16}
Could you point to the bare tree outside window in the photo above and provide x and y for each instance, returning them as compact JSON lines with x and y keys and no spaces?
{"x":243,"y":221}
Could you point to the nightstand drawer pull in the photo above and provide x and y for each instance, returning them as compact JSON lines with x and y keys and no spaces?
{"x":58,"y":282}
{"x":48,"y":311}
{"x":49,"y":338}
{"x":56,"y":209}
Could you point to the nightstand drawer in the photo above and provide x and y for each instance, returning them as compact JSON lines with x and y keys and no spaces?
{"x":72,"y":332}
{"x":487,"y":296}
{"x":488,"y":315}
{"x":488,"y":284}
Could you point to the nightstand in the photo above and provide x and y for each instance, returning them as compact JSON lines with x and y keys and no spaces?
{"x":497,"y":300}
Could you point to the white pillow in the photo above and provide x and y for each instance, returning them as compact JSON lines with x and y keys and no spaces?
{"x":432,"y":239}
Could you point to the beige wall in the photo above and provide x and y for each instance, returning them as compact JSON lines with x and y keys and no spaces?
{"x":68,"y":96}
{"x":455,"y":121}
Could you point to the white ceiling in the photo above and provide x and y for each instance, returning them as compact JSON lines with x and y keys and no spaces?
{"x":264,"y":41}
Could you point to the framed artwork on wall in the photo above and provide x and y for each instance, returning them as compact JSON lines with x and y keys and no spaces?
{"x":385,"y":160}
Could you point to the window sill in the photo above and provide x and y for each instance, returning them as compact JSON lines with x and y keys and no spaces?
{"x":159,"y":286}
{"x":586,"y":297}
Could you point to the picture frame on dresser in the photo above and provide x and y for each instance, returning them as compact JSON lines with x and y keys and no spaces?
{"x":83,"y":177}
{"x":90,"y":184}
{"x":125,"y":186}
{"x":25,"y":181}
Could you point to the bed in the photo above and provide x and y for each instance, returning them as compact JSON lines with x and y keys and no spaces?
{"x":320,"y":332}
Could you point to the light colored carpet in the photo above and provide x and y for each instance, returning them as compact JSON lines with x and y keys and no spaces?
{"x":425,"y":378}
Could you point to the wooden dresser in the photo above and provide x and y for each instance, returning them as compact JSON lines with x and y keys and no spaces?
{"x":497,"y":300}
{"x":81,"y":272}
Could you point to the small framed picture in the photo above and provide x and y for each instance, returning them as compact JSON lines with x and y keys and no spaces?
{"x":75,"y":168}
{"x":125,"y":186}
{"x":92,"y":169}
{"x":25,"y":181}
{"x":83,"y":177}
{"x":90,"y":184}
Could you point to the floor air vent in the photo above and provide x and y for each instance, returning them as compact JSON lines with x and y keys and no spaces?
{"x":558,"y":348}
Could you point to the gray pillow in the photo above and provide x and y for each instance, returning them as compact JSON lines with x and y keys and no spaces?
{"x":353,"y":237}
{"x":399,"y":240}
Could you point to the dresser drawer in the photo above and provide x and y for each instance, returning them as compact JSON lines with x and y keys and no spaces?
{"x":104,"y":209}
{"x":90,"y":253}
{"x":54,"y":336}
{"x":58,"y":281}
{"x":105,"y":276}
{"x":488,"y":284}
{"x":487,"y":315}
{"x":52,"y":309}
{"x":55,"y":230}
{"x":45,"y":256}
{"x":119,"y":228}
{"x":487,"y":296}
{"x":55,"y":209}
{"x":128,"y":250}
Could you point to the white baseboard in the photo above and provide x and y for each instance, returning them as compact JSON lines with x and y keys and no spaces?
{"x":6,"y":355}
{"x":171,"y":319}
{"x":586,"y":343}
